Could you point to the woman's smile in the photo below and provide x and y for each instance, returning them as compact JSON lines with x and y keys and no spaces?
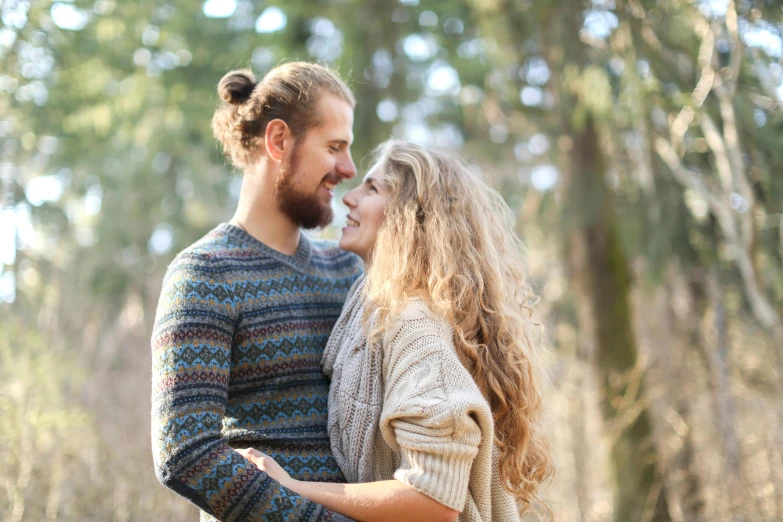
{"x":366,"y":208}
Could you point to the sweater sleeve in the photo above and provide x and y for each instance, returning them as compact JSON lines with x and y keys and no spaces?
{"x":429,"y":412}
{"x":191,"y":354}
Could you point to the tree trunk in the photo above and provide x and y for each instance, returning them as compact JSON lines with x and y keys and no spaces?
{"x":716,"y":348}
{"x":603,"y":266}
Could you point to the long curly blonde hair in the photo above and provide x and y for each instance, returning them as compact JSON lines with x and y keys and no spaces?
{"x":449,"y":237}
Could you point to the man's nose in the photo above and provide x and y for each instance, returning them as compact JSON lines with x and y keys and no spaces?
{"x":345,"y":166}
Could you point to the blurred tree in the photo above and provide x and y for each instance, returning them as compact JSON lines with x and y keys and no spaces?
{"x":642,"y":135}
{"x":41,"y":432}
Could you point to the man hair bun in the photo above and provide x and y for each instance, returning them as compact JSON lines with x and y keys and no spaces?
{"x":237,"y":86}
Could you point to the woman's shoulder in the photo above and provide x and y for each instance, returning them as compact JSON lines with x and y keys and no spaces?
{"x":416,"y":333}
{"x":419,"y":310}
{"x":416,"y":322}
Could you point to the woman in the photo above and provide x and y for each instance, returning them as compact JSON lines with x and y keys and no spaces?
{"x":435,"y":401}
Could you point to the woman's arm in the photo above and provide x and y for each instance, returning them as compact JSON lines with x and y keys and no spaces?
{"x":388,"y":500}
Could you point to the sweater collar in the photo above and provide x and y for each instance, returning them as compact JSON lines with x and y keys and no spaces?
{"x":299,"y":261}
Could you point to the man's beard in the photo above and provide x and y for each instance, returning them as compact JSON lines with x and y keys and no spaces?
{"x":306,"y":210}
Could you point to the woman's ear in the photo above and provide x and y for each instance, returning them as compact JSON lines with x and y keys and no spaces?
{"x":277,"y":139}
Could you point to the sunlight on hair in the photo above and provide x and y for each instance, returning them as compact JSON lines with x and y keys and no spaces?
{"x":456,"y":247}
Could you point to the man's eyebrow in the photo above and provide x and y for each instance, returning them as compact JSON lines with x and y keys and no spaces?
{"x":341,"y":142}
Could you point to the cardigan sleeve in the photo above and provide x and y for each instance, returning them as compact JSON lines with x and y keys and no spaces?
{"x":431,"y":407}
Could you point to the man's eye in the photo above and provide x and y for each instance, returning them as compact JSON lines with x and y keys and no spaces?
{"x":334,"y":149}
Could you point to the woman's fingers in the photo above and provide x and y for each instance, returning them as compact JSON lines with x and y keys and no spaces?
{"x":253,"y":455}
{"x":265,"y":463}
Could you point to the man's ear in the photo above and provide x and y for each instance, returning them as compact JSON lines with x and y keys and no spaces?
{"x":277,"y":139}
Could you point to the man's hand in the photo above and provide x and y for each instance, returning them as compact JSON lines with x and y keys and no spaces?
{"x":268,"y":465}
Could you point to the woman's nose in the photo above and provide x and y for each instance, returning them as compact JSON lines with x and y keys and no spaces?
{"x":350,"y":199}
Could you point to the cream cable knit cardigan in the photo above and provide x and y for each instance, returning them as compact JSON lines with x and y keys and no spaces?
{"x":406,"y":408}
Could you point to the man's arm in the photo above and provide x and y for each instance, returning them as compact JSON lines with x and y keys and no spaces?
{"x":191,"y":354}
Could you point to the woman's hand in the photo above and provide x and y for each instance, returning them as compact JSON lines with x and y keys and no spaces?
{"x":268,"y":465}
{"x":385,"y":501}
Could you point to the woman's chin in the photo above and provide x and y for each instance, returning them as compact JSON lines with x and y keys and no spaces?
{"x":344,"y":244}
{"x":348,"y":247}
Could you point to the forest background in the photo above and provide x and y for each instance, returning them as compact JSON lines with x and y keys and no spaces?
{"x":639,"y":142}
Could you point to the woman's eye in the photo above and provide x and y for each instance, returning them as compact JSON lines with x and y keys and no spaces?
{"x":373,"y":189}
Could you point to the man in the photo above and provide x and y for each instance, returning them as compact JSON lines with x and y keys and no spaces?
{"x":246,"y":311}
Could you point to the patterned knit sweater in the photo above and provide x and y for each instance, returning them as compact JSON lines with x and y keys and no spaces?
{"x":236,"y":350}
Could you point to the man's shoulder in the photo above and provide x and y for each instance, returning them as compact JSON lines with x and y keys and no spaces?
{"x":213,"y":249}
{"x":328,"y":255}
{"x":324,"y":247}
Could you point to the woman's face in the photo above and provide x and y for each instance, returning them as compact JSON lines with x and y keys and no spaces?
{"x":366,"y":208}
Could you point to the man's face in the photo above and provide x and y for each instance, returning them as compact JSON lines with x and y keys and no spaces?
{"x":318,"y":163}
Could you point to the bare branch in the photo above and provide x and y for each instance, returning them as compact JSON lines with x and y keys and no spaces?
{"x":762,"y":308}
{"x":718,"y":147}
{"x":735,"y":59}
{"x":706,"y":51}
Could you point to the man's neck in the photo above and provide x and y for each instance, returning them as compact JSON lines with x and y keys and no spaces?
{"x":260,"y":216}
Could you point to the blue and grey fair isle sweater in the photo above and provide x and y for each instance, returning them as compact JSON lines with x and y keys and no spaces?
{"x":236,"y":352}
